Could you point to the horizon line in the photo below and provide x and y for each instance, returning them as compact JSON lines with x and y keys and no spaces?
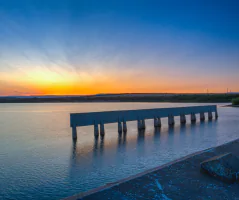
{"x":82,"y":95}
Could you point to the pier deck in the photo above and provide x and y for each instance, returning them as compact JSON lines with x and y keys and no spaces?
{"x":122,"y":116}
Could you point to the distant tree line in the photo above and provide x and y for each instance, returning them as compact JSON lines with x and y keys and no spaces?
{"x":187,"y":98}
{"x":235,"y":101}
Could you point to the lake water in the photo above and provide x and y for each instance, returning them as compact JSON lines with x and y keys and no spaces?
{"x":38,"y":159}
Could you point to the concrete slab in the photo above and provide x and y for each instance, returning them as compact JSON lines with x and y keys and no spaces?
{"x":225,"y":167}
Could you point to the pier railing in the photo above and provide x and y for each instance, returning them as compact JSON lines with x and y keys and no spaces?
{"x":122,"y":116}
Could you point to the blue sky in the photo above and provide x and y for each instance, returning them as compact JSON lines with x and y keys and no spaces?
{"x":50,"y":47}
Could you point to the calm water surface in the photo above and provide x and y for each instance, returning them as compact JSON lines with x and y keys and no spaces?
{"x":38,"y":159}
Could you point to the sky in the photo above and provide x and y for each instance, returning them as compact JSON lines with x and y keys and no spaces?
{"x":77,"y":47}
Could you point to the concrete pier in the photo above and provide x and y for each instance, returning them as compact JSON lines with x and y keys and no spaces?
{"x":157,"y":122}
{"x":120,"y":127}
{"x":202,"y":116}
{"x":74,"y":133}
{"x":183,"y":119}
{"x":124,"y":126}
{"x":102,"y":129}
{"x":96,"y":130}
{"x":193,"y":118}
{"x":209,"y":115}
{"x":139,"y":124}
{"x":143,"y":124}
{"x":122,"y":116}
{"x":171,"y":121}
{"x":216,"y":114}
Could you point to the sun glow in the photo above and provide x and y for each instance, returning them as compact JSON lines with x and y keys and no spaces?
{"x":59,"y":81}
{"x":46,"y":81}
{"x":46,"y":76}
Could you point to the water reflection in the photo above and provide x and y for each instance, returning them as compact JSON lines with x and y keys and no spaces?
{"x":171,"y":130}
{"x":102,"y":139}
{"x":122,"y":140}
{"x":98,"y":147}
{"x":73,"y":159}
{"x":183,"y":127}
{"x":141,"y":136}
{"x":74,"y":150}
{"x":157,"y":131}
{"x":105,"y":151}
{"x":95,"y":147}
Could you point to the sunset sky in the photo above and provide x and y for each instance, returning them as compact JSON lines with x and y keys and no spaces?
{"x":94,"y":46}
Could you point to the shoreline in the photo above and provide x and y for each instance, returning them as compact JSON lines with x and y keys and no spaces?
{"x":230,"y":105}
{"x":147,"y":98}
{"x":174,"y":167}
{"x":121,"y":102}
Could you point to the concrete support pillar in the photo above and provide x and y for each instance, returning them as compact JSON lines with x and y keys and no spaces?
{"x":182,"y":119}
{"x":74,"y":133}
{"x":209,"y":115}
{"x":216,"y":114}
{"x":124,"y":126}
{"x":120,"y":127}
{"x":155,"y":122}
{"x":159,"y":122}
{"x":193,"y":118}
{"x":102,"y":129}
{"x":96,"y":130}
{"x":143,"y":124}
{"x":171,"y":120}
{"x":202,"y":116}
{"x":139,"y":124}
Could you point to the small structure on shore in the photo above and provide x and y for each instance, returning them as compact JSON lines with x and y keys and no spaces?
{"x":122,"y":116}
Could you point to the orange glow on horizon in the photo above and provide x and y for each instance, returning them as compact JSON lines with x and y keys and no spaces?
{"x":42,"y":81}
